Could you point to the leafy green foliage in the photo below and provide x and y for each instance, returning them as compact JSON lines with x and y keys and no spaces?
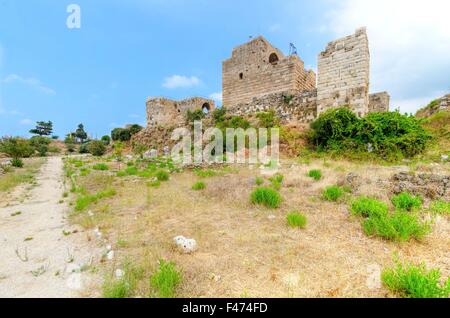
{"x":85,"y":200}
{"x":267,"y":197}
{"x":259,"y":181}
{"x":406,"y":201}
{"x":219,"y":114}
{"x":16,"y":162}
{"x":166,"y":279}
{"x":415,"y":281}
{"x":40,"y":144}
{"x":332,"y":193}
{"x":194,"y":115}
{"x":276,"y":181}
{"x":96,"y":148}
{"x":80,"y":133}
{"x":101,"y":167}
{"x":120,"y":134}
{"x":200,"y":185}
{"x":106,"y":140}
{"x":315,"y":174}
{"x":16,"y":147}
{"x":268,"y":119}
{"x":296,"y":219}
{"x":391,"y":134}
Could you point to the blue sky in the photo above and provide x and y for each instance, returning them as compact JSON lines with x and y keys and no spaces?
{"x":101,"y":74}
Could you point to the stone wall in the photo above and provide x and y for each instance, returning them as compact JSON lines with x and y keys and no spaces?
{"x":256,"y":69}
{"x":343,"y":74}
{"x":440,"y":104}
{"x":379,"y":102}
{"x":166,"y":112}
{"x":290,"y":106}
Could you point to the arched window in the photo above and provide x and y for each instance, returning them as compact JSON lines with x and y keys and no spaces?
{"x":241,"y":75}
{"x":206,"y":108}
{"x":273,"y":58}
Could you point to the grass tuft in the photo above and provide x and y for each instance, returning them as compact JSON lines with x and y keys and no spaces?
{"x":125,"y":286}
{"x":296,"y":219}
{"x":368,"y":207}
{"x":259,"y":181}
{"x":267,"y":197}
{"x":101,"y":167}
{"x":332,"y":193}
{"x":162,"y":175}
{"x":440,"y":207}
{"x":166,"y":279}
{"x":315,"y":174}
{"x":406,"y":201}
{"x":415,"y":281}
{"x":199,"y":186}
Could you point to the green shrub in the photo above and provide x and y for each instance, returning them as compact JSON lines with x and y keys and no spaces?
{"x":415,"y":281}
{"x":315,"y":174}
{"x":440,"y":207}
{"x":40,"y":144}
{"x":16,"y":147}
{"x":296,"y":219}
{"x":84,"y":201}
{"x":84,"y":148}
{"x":18,"y":163}
{"x":166,"y":279}
{"x":332,"y":193}
{"x":106,"y":140}
{"x":266,"y":197}
{"x":96,"y":148}
{"x":268,"y":119}
{"x":101,"y":167}
{"x":367,"y":207}
{"x":194,"y":115}
{"x":399,"y":226}
{"x":162,"y":175}
{"x":391,"y":134}
{"x":54,"y":149}
{"x":131,"y":171}
{"x":199,"y":186}
{"x":219,"y":114}
{"x":406,"y":201}
{"x":121,"y":173}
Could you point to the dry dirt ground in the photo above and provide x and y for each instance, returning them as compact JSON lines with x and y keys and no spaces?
{"x":41,"y":254}
{"x":248,"y":251}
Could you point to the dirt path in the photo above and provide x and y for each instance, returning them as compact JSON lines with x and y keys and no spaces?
{"x":40,"y":256}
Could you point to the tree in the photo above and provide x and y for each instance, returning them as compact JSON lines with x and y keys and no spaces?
{"x":43,"y":128}
{"x":96,"y":148}
{"x":135,"y":128}
{"x":121,"y":134}
{"x":80,"y":134}
{"x":106,"y":140}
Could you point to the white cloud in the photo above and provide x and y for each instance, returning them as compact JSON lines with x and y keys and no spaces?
{"x":179,"y":81}
{"x":216,"y":96}
{"x":26,"y":122}
{"x":33,"y":82}
{"x":409,"y":43}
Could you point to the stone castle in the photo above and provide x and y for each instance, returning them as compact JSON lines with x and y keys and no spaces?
{"x":259,"y":77}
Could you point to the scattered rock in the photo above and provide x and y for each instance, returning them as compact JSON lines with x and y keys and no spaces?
{"x":444,"y":158}
{"x":119,"y":273}
{"x":110,"y":255}
{"x":432,"y":186}
{"x":185,"y":245}
{"x":152,"y":153}
{"x":354,"y":181}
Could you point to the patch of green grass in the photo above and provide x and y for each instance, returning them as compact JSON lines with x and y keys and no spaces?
{"x":100,"y":166}
{"x":199,"y":186}
{"x":296,"y":219}
{"x":440,"y":207}
{"x":399,"y":226}
{"x":166,"y":279}
{"x":27,"y":239}
{"x":125,"y":286}
{"x":84,"y":171}
{"x":315,"y":174}
{"x":85,"y":200}
{"x":121,"y":173}
{"x":367,"y":207}
{"x":162,"y":175}
{"x":145,"y":174}
{"x":276,"y":181}
{"x":205,"y":173}
{"x":267,"y":197}
{"x":415,"y":281}
{"x":406,"y":201}
{"x":332,"y":193}
{"x":65,"y":194}
{"x":155,"y":184}
{"x":131,"y":171}
{"x":16,"y":213}
{"x":259,"y":181}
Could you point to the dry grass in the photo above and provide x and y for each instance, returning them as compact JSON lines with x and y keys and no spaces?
{"x":246,"y":250}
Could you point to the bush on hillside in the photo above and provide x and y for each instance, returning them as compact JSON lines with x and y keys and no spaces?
{"x":391,"y":134}
{"x":120,"y":134}
{"x":96,"y":148}
{"x":16,"y":147}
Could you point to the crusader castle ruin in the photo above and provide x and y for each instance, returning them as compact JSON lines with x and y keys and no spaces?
{"x":259,"y":77}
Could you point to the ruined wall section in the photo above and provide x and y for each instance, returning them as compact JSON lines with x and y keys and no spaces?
{"x":343,"y":74}
{"x":379,"y":102}
{"x":256,"y":69}
{"x":290,"y":106}
{"x":167,"y":112}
